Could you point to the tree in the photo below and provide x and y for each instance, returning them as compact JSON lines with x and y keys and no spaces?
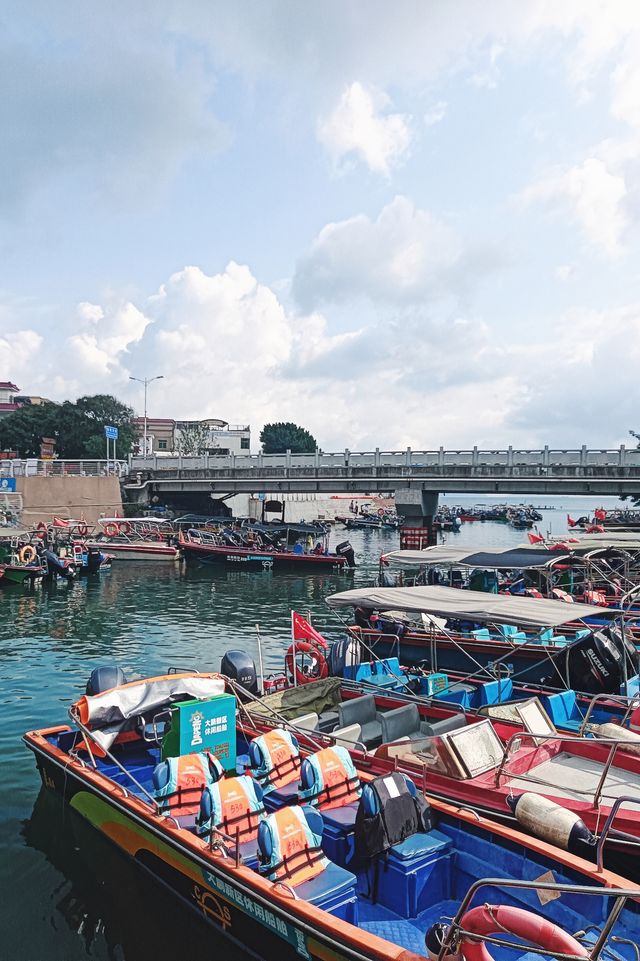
{"x":192,"y":438}
{"x":280,"y":437}
{"x":78,"y":428}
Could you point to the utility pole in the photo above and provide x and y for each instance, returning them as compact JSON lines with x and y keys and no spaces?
{"x":146,"y":381}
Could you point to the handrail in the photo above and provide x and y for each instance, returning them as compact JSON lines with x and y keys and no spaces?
{"x":629,"y":702}
{"x":615,"y":807}
{"x":621,"y":895}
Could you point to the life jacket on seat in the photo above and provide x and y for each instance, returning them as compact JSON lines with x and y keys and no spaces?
{"x":390,"y":811}
{"x":275,"y":759}
{"x":288,"y":850}
{"x":329,"y":779}
{"x":234,"y":805}
{"x":178,"y":781}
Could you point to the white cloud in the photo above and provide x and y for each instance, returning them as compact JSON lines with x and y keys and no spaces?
{"x":564,"y":272}
{"x":360,"y":127}
{"x":403,"y":256}
{"x":595,"y":198}
{"x":435,"y":114}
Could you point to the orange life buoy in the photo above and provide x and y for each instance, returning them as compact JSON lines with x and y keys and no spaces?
{"x":111,"y":530}
{"x":27,"y":554}
{"x":319,"y":668}
{"x":124,"y":527}
{"x":82,"y":530}
{"x":501,"y":919}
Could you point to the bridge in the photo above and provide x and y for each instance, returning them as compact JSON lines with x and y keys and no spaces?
{"x":423,"y":473}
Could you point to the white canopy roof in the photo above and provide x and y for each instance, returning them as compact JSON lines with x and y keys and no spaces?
{"x":525,"y":612}
{"x":499,"y":558}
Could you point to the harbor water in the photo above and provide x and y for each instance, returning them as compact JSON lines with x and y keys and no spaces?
{"x":66,"y":893}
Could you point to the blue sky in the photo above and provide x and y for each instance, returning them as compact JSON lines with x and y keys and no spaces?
{"x":398,"y":224}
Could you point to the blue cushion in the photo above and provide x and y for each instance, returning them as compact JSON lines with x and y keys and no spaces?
{"x":333,"y":882}
{"x":482,"y":634}
{"x":344,"y":817}
{"x":420,"y":844}
{"x":281,"y":796}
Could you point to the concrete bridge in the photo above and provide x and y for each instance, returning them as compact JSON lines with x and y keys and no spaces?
{"x":422,"y":473}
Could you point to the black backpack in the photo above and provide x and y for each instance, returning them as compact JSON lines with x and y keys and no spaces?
{"x":400,"y":815}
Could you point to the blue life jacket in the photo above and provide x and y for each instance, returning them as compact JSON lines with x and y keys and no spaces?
{"x":234,"y":805}
{"x":178,"y":782}
{"x":329,"y":779}
{"x":288,"y":848}
{"x":275,"y":759}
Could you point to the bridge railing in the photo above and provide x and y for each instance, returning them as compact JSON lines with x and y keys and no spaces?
{"x":540,"y":460}
{"x":35,"y":467}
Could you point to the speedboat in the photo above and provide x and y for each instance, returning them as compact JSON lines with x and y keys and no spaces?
{"x":135,"y":539}
{"x":266,"y":547}
{"x":277,"y":839}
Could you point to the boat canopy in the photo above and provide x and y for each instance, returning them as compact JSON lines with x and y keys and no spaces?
{"x":508,"y":559}
{"x":476,"y":606}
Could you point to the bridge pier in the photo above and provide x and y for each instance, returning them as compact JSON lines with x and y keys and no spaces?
{"x":418,"y":508}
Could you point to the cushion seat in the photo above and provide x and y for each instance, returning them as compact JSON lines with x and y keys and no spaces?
{"x":420,"y":844}
{"x":281,"y":796}
{"x":334,"y":882}
{"x":344,"y":817}
{"x":362,"y":711}
{"x":328,"y":720}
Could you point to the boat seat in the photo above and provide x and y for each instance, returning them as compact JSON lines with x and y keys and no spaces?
{"x":458,"y":693}
{"x":437,"y":728}
{"x":494,"y":692}
{"x":328,"y":720}
{"x":482,"y":634}
{"x":247,"y":847}
{"x":307,"y":721}
{"x":333,"y":889}
{"x":563,"y":709}
{"x":279,"y":786}
{"x":362,"y":711}
{"x":403,"y":722}
{"x":178,"y":783}
{"x":349,"y":737}
{"x":338,"y":804}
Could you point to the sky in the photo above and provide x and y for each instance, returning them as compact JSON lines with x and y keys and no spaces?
{"x":396,"y":224}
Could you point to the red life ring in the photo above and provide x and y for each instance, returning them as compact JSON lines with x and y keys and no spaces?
{"x":82,"y":530}
{"x":319,"y":668}
{"x":124,"y":528}
{"x":501,"y":919}
{"x":111,"y":530}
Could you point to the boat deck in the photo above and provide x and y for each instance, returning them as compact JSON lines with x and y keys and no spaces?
{"x":577,"y":777}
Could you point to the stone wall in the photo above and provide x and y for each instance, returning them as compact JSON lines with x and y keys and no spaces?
{"x":78,"y":497}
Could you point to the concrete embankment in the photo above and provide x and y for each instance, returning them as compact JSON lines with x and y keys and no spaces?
{"x":87,"y":498}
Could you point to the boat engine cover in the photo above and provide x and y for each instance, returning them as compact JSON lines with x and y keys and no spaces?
{"x":238,"y":666}
{"x":595,"y":664}
{"x":346,"y":550}
{"x":104,"y":678}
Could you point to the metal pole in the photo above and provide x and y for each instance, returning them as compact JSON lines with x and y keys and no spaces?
{"x":293,"y":644}
{"x":260,"y":659}
{"x":146,"y":381}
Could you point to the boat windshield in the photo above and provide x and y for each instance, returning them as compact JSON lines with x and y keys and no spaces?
{"x":460,"y":754}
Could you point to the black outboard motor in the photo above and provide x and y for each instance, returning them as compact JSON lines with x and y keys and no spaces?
{"x":104,"y":678}
{"x":595,"y":664}
{"x":94,"y":560}
{"x":238,"y":666}
{"x":346,"y":550}
{"x":345,"y":652}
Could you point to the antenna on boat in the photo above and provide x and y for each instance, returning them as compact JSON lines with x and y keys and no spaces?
{"x":258,"y":635}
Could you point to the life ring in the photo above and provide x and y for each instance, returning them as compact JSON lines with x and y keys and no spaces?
{"x":41,"y":530}
{"x":319,"y":668}
{"x":111,"y":529}
{"x":27,"y":554}
{"x":82,"y":530}
{"x":124,"y":528}
{"x":504,"y":919}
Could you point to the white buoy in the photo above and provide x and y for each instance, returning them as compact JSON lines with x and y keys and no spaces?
{"x":550,"y":821}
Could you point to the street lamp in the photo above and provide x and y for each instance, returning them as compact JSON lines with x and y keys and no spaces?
{"x":146,"y":381}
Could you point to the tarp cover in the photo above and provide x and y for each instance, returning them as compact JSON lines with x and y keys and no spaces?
{"x":110,"y":711}
{"x":318,"y":696}
{"x":511,"y":559}
{"x":526,"y":612}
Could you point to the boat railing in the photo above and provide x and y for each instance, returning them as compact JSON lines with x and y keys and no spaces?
{"x":630,"y":703}
{"x":456,"y":929}
{"x":515,"y":739}
{"x":608,"y":824}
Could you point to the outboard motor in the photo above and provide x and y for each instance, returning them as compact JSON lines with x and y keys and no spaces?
{"x":345,"y":652}
{"x":104,"y":678}
{"x":94,"y":560}
{"x":238,"y":666}
{"x":595,"y":664}
{"x":346,"y":550}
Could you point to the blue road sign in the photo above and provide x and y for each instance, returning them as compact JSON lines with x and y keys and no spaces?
{"x":7,"y":484}
{"x":111,"y":433}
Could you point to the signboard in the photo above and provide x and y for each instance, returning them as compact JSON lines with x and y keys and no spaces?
{"x":111,"y":433}
{"x":7,"y":485}
{"x":207,"y":725}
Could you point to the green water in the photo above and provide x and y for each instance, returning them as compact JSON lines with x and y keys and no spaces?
{"x":66,"y":893}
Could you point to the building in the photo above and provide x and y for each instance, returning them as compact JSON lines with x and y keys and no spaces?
{"x":8,"y":394}
{"x":188,"y":437}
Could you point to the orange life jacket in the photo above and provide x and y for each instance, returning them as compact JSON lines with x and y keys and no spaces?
{"x":239,"y":812}
{"x":186,"y":778}
{"x":296,"y":854}
{"x":280,"y":760}
{"x":332,"y":779}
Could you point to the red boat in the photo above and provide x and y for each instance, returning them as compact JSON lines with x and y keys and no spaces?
{"x":214,"y":548}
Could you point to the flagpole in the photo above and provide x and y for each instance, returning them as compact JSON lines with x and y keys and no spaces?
{"x":293,"y":644}
{"x":260,"y":659}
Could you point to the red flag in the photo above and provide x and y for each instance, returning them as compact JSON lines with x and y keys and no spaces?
{"x":600,"y":514}
{"x":570,"y":521}
{"x":535,"y":538}
{"x":302,"y":630}
{"x":60,"y":522}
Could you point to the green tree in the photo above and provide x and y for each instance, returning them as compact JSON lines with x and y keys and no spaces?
{"x":23,"y":430}
{"x":192,"y":438}
{"x":78,"y":428}
{"x":280,"y":437}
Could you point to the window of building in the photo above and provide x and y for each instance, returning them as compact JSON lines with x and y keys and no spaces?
{"x":162,"y":445}
{"x":244,"y":443}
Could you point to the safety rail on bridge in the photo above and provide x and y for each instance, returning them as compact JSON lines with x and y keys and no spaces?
{"x":540,"y":460}
{"x":35,"y":467}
